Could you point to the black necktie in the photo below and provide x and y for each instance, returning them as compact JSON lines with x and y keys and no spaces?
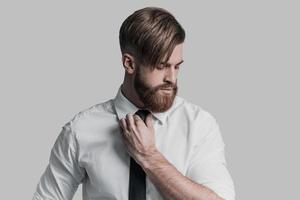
{"x":137,"y":178}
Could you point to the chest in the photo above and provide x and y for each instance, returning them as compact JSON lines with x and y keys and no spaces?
{"x":107,"y":163}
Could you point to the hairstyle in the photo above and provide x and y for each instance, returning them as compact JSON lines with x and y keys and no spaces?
{"x":150,"y":35}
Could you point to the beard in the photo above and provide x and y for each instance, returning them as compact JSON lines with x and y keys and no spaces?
{"x":151,"y":97}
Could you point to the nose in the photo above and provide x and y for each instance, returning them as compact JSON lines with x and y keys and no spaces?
{"x":171,"y":75}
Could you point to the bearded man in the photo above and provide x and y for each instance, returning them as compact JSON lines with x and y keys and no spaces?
{"x":147,"y":142}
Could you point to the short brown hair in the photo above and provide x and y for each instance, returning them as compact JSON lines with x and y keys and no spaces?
{"x":150,"y":35}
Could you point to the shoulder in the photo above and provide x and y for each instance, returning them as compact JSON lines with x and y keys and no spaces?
{"x":203,"y":124}
{"x":192,"y":110}
{"x":91,"y":114}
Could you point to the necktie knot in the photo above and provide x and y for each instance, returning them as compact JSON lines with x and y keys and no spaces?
{"x":142,"y":113}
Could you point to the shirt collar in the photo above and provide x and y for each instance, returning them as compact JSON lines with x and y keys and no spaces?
{"x":124,"y":106}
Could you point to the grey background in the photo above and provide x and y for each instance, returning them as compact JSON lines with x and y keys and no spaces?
{"x":241,"y":64}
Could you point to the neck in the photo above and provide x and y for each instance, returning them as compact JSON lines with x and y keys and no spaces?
{"x":129,"y":92}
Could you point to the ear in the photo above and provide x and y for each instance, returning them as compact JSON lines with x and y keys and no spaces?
{"x":128,"y":63}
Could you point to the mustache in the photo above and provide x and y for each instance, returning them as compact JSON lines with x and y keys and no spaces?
{"x":167,"y":86}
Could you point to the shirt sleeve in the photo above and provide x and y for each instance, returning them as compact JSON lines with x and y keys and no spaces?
{"x":208,"y":166}
{"x":63,"y":174}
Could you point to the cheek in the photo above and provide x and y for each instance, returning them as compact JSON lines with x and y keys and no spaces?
{"x":152,"y":79}
{"x":155,"y":81}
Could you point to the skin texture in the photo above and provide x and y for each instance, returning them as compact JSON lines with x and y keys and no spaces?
{"x":139,"y":137}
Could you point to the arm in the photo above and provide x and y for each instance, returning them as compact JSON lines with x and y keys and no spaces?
{"x":171,"y":183}
{"x":207,"y":165}
{"x":63,"y":174}
{"x":206,"y":168}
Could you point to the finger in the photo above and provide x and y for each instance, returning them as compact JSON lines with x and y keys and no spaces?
{"x":125,"y":134}
{"x":124,"y":125}
{"x":137,"y":120}
{"x":130,"y":122}
{"x":149,"y":120}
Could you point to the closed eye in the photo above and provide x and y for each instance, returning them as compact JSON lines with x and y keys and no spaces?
{"x":160,"y":67}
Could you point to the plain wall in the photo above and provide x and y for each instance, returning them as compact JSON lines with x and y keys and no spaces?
{"x":241,"y":65}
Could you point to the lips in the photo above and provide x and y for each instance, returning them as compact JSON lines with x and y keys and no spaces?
{"x":169,"y":91}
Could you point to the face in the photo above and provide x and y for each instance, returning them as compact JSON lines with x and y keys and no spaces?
{"x":157,"y":88}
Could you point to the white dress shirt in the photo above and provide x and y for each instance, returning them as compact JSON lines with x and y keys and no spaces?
{"x":90,"y":150}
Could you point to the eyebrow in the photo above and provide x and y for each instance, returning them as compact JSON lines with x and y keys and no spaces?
{"x":175,"y":64}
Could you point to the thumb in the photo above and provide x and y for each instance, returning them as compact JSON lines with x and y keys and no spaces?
{"x":149,"y":120}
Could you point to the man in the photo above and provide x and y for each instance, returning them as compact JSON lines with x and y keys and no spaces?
{"x":175,"y":151}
